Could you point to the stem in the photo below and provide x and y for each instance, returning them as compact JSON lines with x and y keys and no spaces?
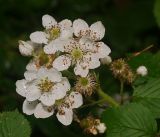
{"x":108,"y":98}
{"x":94,"y":103}
{"x":121,"y":91}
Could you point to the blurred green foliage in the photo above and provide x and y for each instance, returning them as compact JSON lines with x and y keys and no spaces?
{"x":130,"y":27}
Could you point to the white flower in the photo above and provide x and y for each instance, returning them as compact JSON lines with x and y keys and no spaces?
{"x":54,"y":35}
{"x":65,"y":112}
{"x":26,"y":48}
{"x":64,"y":108}
{"x":142,"y":70}
{"x":85,"y":51}
{"x":38,"y":109}
{"x":83,"y":56}
{"x":106,"y":60}
{"x":45,"y":85}
{"x":101,"y":128}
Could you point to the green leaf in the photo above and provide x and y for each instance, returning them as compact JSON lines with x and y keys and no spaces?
{"x":13,"y":124}
{"x":148,"y":94}
{"x":133,"y":120}
{"x":157,"y":11}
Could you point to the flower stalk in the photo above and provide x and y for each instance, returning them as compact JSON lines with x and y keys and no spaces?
{"x":108,"y":98}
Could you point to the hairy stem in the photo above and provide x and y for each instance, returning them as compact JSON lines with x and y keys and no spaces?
{"x":121,"y":90}
{"x":108,"y":98}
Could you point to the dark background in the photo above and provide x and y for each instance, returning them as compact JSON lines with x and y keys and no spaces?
{"x":130,"y":27}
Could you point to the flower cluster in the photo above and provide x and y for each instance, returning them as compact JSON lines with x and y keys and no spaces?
{"x":60,"y":46}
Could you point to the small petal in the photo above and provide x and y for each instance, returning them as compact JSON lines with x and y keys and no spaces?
{"x":59,"y":91}
{"x":65,"y":24}
{"x":47,"y":98}
{"x":52,"y":74}
{"x":86,"y":44}
{"x":80,"y":27}
{"x":31,"y":66}
{"x":75,"y":99}
{"x":92,"y":60}
{"x":30,"y":75}
{"x":97,"y":31}
{"x":48,"y":21}
{"x":62,"y":63}
{"x":25,"y":48}
{"x":39,"y":37}
{"x":21,"y":87}
{"x":33,"y":92}
{"x":101,"y":49}
{"x":81,"y":70}
{"x":54,"y":46}
{"x":43,"y":111}
{"x":65,"y":117}
{"x":29,"y":107}
{"x":66,"y":83}
{"x":66,"y":33}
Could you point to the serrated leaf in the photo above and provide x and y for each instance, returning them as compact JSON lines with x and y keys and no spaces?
{"x":13,"y":124}
{"x":148,"y":94}
{"x":133,"y":120}
{"x":157,"y":11}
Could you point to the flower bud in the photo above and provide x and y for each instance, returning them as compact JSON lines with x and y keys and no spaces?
{"x":106,"y":60}
{"x":142,"y":70}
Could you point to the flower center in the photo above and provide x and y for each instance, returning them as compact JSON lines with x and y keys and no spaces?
{"x":54,"y":33}
{"x":84,"y":81}
{"x":45,"y":85}
{"x":77,"y":54}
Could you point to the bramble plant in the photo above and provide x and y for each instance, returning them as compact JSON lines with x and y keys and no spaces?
{"x":62,"y":79}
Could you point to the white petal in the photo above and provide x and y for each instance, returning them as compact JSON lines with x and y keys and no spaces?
{"x":66,"y":33}
{"x":65,"y":24}
{"x":39,"y":37}
{"x":47,"y":98}
{"x":29,"y":107}
{"x":66,"y":83}
{"x":33,"y":92}
{"x":62,"y":63}
{"x":43,"y":112}
{"x":52,"y":74}
{"x":30,"y":75}
{"x":54,"y":46}
{"x":48,"y":21}
{"x":81,"y":70}
{"x":86,"y":44}
{"x":25,"y":48}
{"x":101,"y":49}
{"x":66,"y":117}
{"x":80,"y":27}
{"x":75,"y":99}
{"x":92,"y":60}
{"x":97,"y":31}
{"x":21,"y":87}
{"x":59,"y":91}
{"x":31,"y":66}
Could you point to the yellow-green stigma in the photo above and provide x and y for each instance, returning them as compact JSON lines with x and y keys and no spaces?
{"x":54,"y":33}
{"x":77,"y":54}
{"x":45,"y":85}
{"x":84,"y":81}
